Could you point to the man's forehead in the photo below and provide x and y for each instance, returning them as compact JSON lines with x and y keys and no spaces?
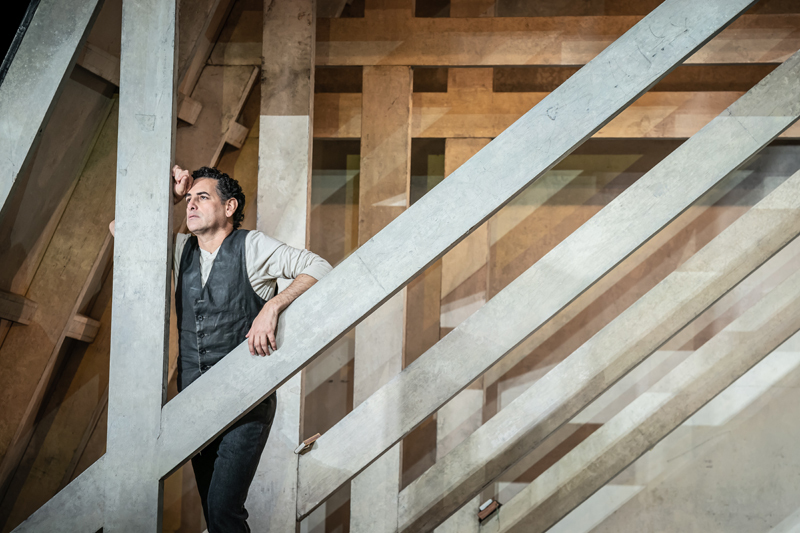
{"x":207,"y":185}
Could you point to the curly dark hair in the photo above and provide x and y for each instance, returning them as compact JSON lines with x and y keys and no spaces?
{"x":227,"y":188}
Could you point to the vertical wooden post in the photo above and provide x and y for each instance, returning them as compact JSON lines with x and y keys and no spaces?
{"x":142,"y":256}
{"x":284,"y":173}
{"x":383,"y":195}
{"x":460,"y":416}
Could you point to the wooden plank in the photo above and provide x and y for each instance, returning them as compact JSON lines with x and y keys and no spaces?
{"x":653,"y":415}
{"x":99,"y":62}
{"x":476,"y":114}
{"x":236,"y":135}
{"x":142,"y":260}
{"x":191,"y":66}
{"x":189,"y":110}
{"x":396,"y":37}
{"x":16,"y":308}
{"x":601,"y":361}
{"x":553,"y":282}
{"x":383,"y":194}
{"x":82,"y":328}
{"x":378,"y":269}
{"x":34,"y":80}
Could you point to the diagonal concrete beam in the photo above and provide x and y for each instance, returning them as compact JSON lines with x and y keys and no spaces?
{"x":653,"y":415}
{"x":34,"y":80}
{"x":142,"y":259}
{"x":552,"y":283}
{"x":377,"y":270}
{"x":601,"y":361}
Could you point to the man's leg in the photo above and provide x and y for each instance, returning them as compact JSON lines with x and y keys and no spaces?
{"x":203,"y":466}
{"x":237,"y":457}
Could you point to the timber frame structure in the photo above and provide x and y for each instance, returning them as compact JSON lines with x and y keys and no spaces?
{"x":171,"y":109}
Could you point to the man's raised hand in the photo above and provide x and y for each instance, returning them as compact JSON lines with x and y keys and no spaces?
{"x":183,"y":182}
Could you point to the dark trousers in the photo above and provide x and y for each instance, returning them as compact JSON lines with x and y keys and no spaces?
{"x":225,"y":469}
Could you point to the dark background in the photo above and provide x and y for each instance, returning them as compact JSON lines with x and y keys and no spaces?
{"x":12,"y":14}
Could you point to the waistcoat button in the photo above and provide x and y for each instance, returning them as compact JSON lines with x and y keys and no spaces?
{"x":201,"y":334}
{"x":203,"y":351}
{"x":203,"y":368}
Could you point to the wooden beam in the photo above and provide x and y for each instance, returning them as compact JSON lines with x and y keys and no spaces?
{"x":396,"y":37}
{"x":16,"y":308}
{"x":142,"y":260}
{"x":652,"y":416}
{"x":222,"y":92}
{"x":384,"y":185}
{"x":553,"y":282}
{"x":34,"y":80}
{"x":236,"y":135}
{"x":463,"y":414}
{"x":189,"y":110}
{"x":379,"y":269}
{"x":601,"y":361}
{"x":481,"y":113}
{"x":199,"y":28}
{"x":99,"y":62}
{"x":83,"y":328}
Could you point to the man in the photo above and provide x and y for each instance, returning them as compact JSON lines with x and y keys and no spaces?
{"x":225,"y":292}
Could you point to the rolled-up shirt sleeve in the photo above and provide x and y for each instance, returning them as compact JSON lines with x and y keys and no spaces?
{"x":269,"y":259}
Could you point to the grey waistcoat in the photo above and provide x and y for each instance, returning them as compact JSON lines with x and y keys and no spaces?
{"x":213,"y":319}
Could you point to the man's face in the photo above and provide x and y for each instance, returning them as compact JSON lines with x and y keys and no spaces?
{"x":204,"y":208}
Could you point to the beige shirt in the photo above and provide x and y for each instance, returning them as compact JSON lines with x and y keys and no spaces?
{"x":266,"y":260}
